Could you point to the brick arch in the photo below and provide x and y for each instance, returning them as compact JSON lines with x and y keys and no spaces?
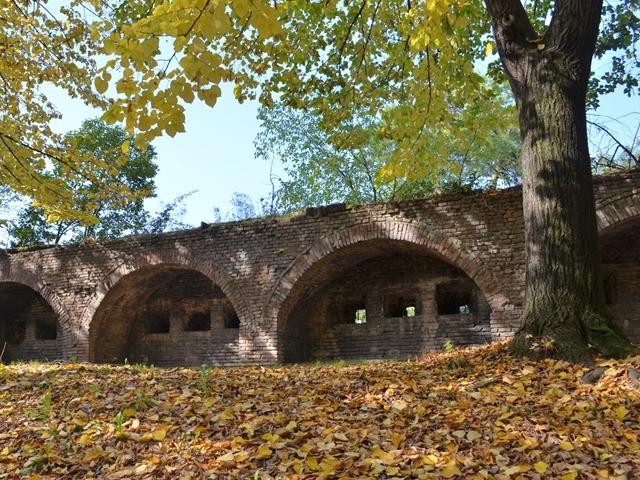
{"x":22,"y":276}
{"x":613,"y":213}
{"x":218,"y":277}
{"x":173,"y":259}
{"x":427,"y":239}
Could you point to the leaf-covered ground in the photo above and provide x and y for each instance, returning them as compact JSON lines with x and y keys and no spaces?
{"x":474,"y":413}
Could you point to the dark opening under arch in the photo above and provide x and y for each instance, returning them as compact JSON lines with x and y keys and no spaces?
{"x":29,"y":328}
{"x":167,"y":316}
{"x":381,"y":299}
{"x":620,"y":254}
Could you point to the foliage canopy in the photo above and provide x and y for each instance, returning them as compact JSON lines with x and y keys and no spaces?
{"x":319,"y":173}
{"x":114,"y":217}
{"x":412,"y":65}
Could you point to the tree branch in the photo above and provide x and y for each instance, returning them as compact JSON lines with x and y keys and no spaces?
{"x":574,"y":31}
{"x":511,"y":24}
{"x":626,"y":150}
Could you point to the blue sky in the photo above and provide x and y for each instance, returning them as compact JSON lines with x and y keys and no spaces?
{"x":215,"y":156}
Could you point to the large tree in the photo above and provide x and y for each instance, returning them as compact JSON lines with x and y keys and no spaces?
{"x":319,"y":170}
{"x":48,"y":50}
{"x":113,"y":218}
{"x":549,"y":74}
{"x":413,"y":65}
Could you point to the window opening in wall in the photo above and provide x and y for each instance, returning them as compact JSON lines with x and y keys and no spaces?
{"x":45,"y":330}
{"x":15,"y":331}
{"x":351,"y":313}
{"x":232,"y":321}
{"x":360,"y":316}
{"x":157,"y":323}
{"x":454,"y":298}
{"x":198,"y":322}
{"x":397,"y":306}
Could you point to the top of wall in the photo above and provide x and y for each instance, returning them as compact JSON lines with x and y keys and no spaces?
{"x":602,"y":185}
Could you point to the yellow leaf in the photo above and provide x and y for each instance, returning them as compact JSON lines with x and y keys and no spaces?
{"x":397,"y":439}
{"x":291,"y":426}
{"x":227,"y":414}
{"x":540,"y":467}
{"x":128,"y":412}
{"x":451,"y":470}
{"x":263,"y":452}
{"x":430,"y":459}
{"x":621,"y":412}
{"x":101,"y":84}
{"x":567,"y":446}
{"x":489,"y":49}
{"x":227,"y":457}
{"x":340,"y":436}
{"x":159,"y":433}
{"x":92,"y":455}
{"x":473,"y":435}
{"x":84,"y":440}
{"x":572,"y":475}
{"x":241,"y":456}
{"x":512,"y":470}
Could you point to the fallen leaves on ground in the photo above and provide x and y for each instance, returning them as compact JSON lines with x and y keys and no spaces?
{"x":473,"y":414}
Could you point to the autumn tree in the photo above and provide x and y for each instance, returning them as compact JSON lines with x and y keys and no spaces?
{"x":413,"y":65}
{"x":46,"y":49}
{"x":114,"y":218}
{"x":323,"y":168}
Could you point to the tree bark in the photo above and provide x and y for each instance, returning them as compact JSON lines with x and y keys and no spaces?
{"x":564,"y":312}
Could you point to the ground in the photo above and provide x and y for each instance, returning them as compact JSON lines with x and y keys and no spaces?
{"x":468,"y":413}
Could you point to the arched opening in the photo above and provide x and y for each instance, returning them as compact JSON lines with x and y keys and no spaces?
{"x":620,"y":253}
{"x":166,"y":316}
{"x":381,"y":299}
{"x":29,"y":328}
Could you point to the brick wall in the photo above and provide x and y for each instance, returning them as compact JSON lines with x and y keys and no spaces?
{"x":325,"y":324}
{"x":28,"y":326}
{"x":265,"y":271}
{"x":621,"y":272}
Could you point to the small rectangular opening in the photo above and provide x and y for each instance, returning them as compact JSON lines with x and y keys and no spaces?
{"x":157,"y":323}
{"x":352,"y":313}
{"x":398,"y":306}
{"x":198,"y":322}
{"x":454,"y":298}
{"x":360,"y":316}
{"x":46,"y":330}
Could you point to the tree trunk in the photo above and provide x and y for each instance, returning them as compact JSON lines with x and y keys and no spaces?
{"x":564,"y":313}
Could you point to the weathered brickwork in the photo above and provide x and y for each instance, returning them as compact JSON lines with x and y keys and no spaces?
{"x":295,"y":288}
{"x":408,"y":304}
{"x":28,"y":325}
